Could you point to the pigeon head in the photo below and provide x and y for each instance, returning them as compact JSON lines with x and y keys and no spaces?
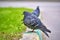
{"x":26,"y":13}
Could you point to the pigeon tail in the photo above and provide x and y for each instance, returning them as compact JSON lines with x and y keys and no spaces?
{"x":46,"y":33}
{"x":48,"y":30}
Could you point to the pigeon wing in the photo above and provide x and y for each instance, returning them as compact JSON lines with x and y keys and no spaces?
{"x":36,"y":11}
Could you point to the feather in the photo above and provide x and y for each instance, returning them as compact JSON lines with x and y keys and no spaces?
{"x":32,"y":21}
{"x":36,"y":11}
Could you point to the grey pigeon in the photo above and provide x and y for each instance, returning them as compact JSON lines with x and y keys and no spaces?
{"x":32,"y":21}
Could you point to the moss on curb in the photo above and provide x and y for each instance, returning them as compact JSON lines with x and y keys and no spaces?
{"x":11,"y":22}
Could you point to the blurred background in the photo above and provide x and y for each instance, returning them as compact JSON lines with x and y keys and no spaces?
{"x":35,"y":0}
{"x":50,"y":13}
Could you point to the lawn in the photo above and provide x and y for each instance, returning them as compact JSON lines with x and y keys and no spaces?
{"x":11,"y":22}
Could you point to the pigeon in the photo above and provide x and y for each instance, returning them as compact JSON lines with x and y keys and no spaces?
{"x":32,"y":21}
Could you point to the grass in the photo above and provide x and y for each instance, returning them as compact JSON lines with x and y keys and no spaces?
{"x":11,"y":22}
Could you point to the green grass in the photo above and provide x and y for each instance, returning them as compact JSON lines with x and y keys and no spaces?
{"x":11,"y":21}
